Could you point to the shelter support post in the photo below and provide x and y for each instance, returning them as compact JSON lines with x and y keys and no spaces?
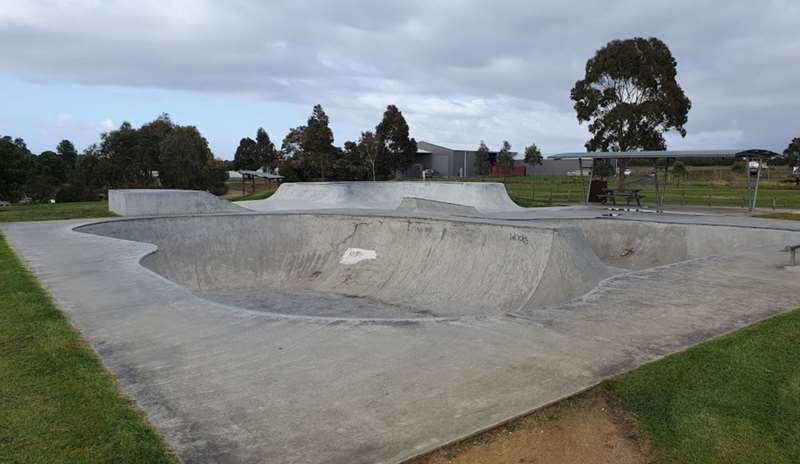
{"x":658,"y":191}
{"x":755,"y":191}
{"x":666,"y":184}
{"x":589,"y":187}
{"x":747,"y":177}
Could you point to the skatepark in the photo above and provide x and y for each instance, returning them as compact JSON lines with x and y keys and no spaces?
{"x":373,"y":322}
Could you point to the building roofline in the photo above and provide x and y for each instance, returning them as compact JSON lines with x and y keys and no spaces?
{"x":651,"y":154}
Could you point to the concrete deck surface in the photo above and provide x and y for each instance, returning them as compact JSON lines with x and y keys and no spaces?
{"x":227,"y":383}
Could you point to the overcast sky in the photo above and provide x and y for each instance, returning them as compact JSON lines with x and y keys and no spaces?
{"x":460,"y":71}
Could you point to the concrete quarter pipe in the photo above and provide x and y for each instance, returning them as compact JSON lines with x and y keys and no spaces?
{"x":484,"y":197}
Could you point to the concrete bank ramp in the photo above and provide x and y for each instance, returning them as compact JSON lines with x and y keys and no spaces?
{"x":483,"y":196}
{"x":164,"y":202}
{"x":411,"y":204}
{"x":364,"y":267}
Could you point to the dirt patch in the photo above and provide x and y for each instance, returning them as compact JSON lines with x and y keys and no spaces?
{"x":591,"y":428}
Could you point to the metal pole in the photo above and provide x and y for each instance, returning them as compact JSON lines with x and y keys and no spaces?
{"x":747,"y":174}
{"x":658,"y":195}
{"x":666,"y":183}
{"x":755,"y":193}
{"x":580,"y":173}
{"x":589,"y":189}
{"x":465,"y":165}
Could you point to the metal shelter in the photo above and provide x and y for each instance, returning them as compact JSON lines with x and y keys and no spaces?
{"x":268,"y":176}
{"x":668,"y":156}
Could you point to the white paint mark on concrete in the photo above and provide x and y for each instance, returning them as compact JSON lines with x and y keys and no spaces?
{"x":356,"y":255}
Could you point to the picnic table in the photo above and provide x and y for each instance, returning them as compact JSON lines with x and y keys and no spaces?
{"x":627,"y":194}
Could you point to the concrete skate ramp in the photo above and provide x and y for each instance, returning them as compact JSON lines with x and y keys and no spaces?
{"x":486,"y":197}
{"x":640,"y":245}
{"x":361,"y":267}
{"x":163,"y":202}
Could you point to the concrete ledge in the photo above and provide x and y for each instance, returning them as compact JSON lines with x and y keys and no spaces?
{"x":162,"y":202}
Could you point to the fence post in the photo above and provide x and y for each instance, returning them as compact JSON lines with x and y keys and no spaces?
{"x":533,"y":194}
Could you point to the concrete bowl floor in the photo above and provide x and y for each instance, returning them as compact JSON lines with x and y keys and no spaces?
{"x":373,"y":337}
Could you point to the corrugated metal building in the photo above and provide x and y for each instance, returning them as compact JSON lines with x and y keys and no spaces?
{"x":458,"y":162}
{"x":447,"y":162}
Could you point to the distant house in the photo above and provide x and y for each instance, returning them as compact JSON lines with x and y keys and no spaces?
{"x":447,"y":162}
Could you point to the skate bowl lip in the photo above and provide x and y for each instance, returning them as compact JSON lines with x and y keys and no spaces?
{"x":538,"y":223}
{"x":545,"y":225}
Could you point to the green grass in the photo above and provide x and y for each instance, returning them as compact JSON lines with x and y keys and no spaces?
{"x":727,"y":190}
{"x":47,"y":212}
{"x":57,"y":402}
{"x":789,"y":216}
{"x":732,"y":400}
{"x":254,"y":196}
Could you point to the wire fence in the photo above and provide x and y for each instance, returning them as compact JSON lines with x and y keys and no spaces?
{"x":710,"y":188}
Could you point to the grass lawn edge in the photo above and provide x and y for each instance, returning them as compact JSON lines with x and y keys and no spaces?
{"x":638,"y":421}
{"x":60,"y":402}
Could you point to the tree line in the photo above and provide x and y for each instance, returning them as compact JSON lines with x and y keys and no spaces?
{"x":157,"y":154}
{"x":163,"y":154}
{"x":308,"y":152}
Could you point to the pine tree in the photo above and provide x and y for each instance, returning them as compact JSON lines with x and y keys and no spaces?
{"x":482,"y":162}
{"x":396,"y":149}
{"x":318,"y":140}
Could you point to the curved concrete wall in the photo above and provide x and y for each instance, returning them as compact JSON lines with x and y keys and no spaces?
{"x":483,"y":196}
{"x":425,"y":267}
{"x":641,"y":245}
{"x":443,"y":268}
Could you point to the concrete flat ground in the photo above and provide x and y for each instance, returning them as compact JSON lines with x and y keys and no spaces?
{"x":231,"y":381}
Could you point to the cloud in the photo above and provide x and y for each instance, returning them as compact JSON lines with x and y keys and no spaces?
{"x":461,"y":70}
{"x":80,"y":130}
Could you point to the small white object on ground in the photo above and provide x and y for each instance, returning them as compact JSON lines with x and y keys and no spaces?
{"x":356,"y":255}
